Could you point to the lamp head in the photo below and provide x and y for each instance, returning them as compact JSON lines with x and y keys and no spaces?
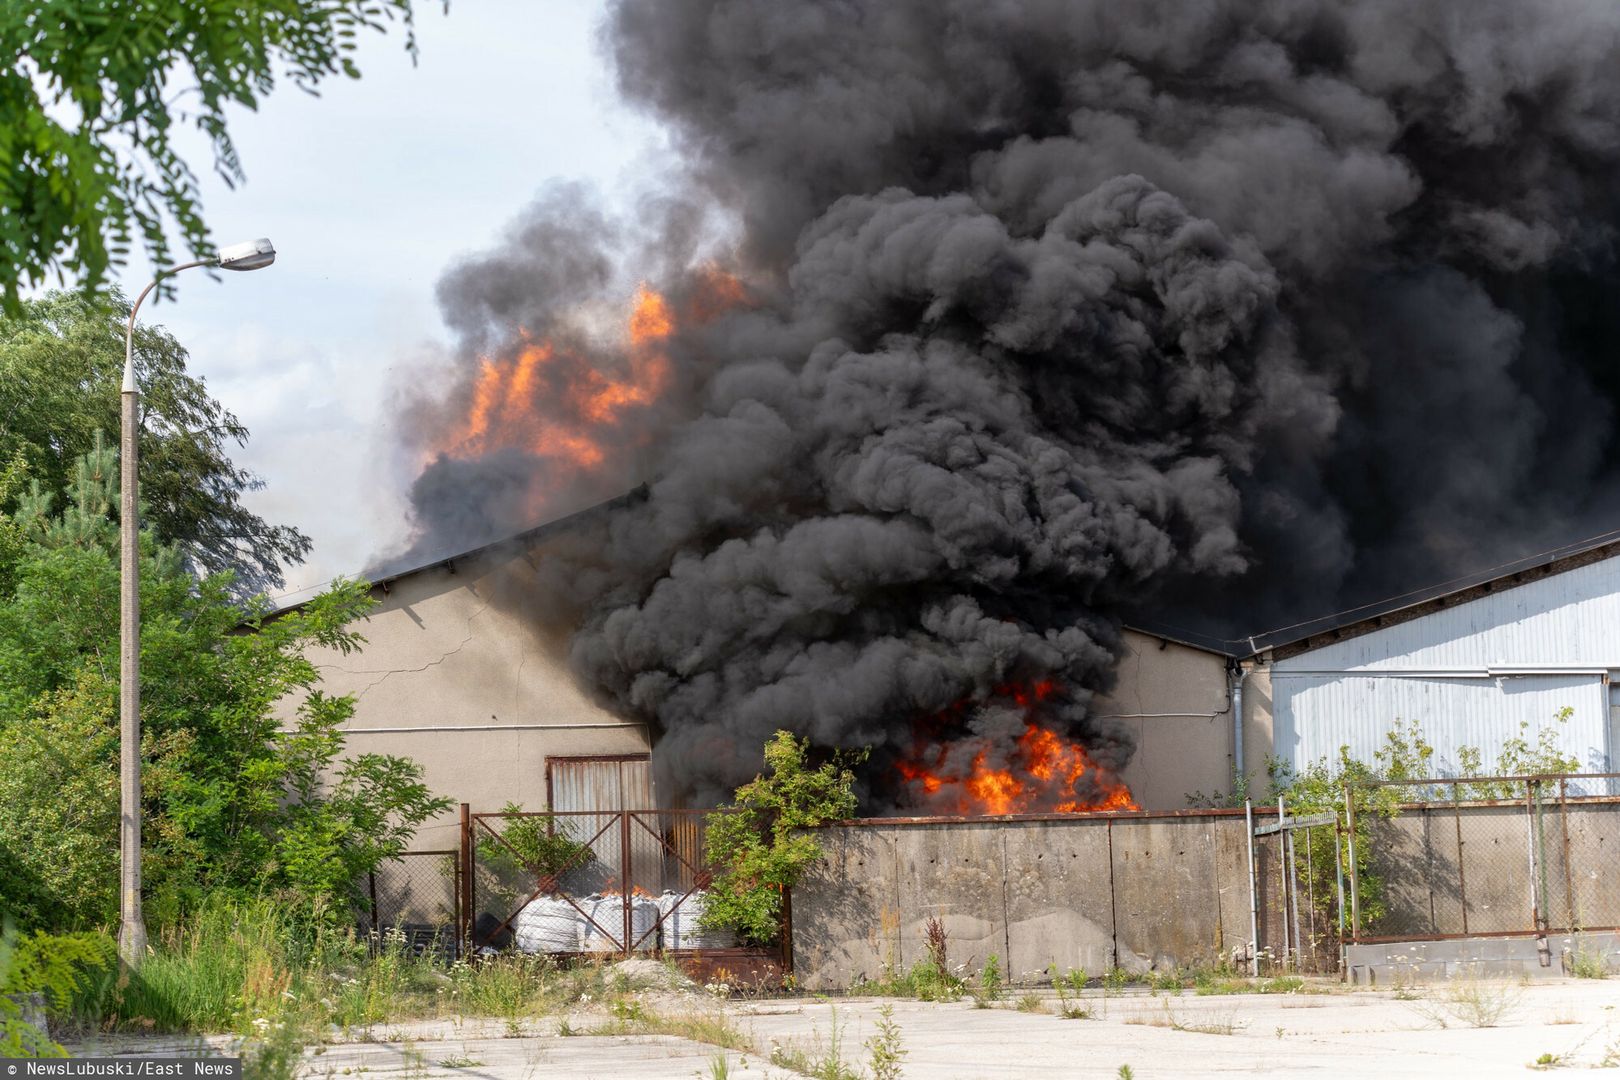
{"x":248,"y":255}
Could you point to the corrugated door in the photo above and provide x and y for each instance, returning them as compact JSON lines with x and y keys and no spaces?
{"x":606,"y":786}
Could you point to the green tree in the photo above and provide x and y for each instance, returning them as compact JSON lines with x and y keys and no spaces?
{"x":61,"y":364}
{"x":95,"y":92}
{"x":765,"y":844}
{"x":234,"y":799}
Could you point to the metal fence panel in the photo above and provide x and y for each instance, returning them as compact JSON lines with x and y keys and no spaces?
{"x":417,"y":896}
{"x":1486,"y":856}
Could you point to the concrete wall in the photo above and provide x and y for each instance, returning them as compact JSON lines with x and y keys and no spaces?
{"x":1137,"y":891}
{"x":1173,"y":698}
{"x":476,"y":693}
{"x":1163,"y":891}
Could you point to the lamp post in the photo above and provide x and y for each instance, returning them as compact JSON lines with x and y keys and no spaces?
{"x":252,"y":255}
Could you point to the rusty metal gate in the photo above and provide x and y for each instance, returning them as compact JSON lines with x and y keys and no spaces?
{"x":627,"y":882}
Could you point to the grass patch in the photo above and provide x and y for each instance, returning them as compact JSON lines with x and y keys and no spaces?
{"x":1587,"y":963}
{"x":1472,"y":1002}
{"x":715,"y":1029}
{"x":1222,"y":1023}
{"x":1031,"y":1003}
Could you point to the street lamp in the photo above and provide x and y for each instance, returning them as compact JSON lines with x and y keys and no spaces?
{"x":251,"y":255}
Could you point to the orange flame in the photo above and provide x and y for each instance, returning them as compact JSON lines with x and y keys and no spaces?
{"x":573,"y":406}
{"x":1045,"y":773}
{"x":503,"y":413}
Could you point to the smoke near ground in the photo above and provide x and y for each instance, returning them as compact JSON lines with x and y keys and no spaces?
{"x":1230,"y":313}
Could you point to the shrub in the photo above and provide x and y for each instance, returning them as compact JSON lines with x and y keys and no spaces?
{"x":764,"y":846}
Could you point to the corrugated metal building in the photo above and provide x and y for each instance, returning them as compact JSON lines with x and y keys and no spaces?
{"x":1468,"y":666}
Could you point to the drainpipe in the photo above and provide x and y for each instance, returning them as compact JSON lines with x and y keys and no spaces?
{"x":1237,"y":723}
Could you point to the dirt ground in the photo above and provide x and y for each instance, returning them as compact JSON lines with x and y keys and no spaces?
{"x":1426,"y":1032}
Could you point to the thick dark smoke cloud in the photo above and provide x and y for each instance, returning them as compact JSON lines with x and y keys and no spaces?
{"x":1231,"y":313}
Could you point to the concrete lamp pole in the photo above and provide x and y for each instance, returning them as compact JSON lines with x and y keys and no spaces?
{"x":252,"y":255}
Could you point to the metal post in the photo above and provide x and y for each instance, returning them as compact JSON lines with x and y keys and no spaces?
{"x":1462,"y":876}
{"x":1293,"y":893}
{"x":131,"y":923}
{"x":1571,"y":923}
{"x":1338,"y":874}
{"x":1543,"y":949}
{"x":1310,"y":891}
{"x":1350,"y":835}
{"x":624,"y":876}
{"x":464,"y":898}
{"x":1282,"y":877}
{"x":1254,"y":893}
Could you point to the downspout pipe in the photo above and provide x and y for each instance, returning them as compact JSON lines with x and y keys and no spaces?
{"x":1238,"y":675}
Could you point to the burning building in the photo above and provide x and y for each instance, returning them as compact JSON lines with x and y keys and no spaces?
{"x":971,"y":334}
{"x":459,"y":676}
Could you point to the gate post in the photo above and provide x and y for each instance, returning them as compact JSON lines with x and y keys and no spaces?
{"x":464,"y":886}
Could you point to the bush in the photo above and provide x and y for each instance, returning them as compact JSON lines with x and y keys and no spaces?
{"x":764,"y":846}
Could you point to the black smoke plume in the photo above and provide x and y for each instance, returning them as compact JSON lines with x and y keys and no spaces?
{"x":1058,"y":312}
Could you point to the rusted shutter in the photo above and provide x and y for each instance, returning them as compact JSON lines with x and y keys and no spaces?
{"x":589,"y":793}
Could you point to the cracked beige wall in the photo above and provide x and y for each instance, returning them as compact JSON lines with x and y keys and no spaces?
{"x":1173,"y":698}
{"x":475,"y":692}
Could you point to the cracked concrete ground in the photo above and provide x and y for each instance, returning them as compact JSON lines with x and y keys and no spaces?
{"x":1342,"y":1033}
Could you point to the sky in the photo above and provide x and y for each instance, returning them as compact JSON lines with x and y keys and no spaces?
{"x":369,"y":193}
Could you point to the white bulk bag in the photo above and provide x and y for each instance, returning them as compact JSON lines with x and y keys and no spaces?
{"x":548,"y":925}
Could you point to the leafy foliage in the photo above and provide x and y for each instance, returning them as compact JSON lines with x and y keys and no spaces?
{"x":18,"y":1038}
{"x":765,"y":846}
{"x":1405,"y":756}
{"x":61,"y":364}
{"x":232,"y":799}
{"x":1519,"y":757}
{"x":91,"y":111}
{"x":532,"y":843}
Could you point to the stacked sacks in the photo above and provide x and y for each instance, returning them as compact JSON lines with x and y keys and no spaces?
{"x":683,"y":923}
{"x":603,"y":931}
{"x":548,"y":925}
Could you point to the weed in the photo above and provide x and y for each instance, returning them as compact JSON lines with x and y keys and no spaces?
{"x":1584,"y":963}
{"x":719,"y":1068}
{"x":884,"y":1047}
{"x":274,"y":1055}
{"x":1167,"y":981}
{"x":936,"y":941}
{"x":462,"y":1062}
{"x":1210,"y":1024}
{"x":1548,"y":1061}
{"x":818,"y":1062}
{"x":1068,"y":987}
{"x":1117,"y":979}
{"x":1125,"y":1073}
{"x":566,"y":1030}
{"x":1031,"y":1003}
{"x":1472,"y":1001}
{"x":1281,"y":984}
{"x":989,"y":988}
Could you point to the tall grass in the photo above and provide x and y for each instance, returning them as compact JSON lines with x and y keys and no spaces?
{"x":253,"y":967}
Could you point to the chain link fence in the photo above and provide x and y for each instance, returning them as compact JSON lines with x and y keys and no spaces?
{"x":416,"y":896}
{"x":1484,"y":857}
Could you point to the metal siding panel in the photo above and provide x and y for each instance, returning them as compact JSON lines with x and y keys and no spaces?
{"x":1316,"y":714}
{"x":606,"y":786}
{"x":1568,"y":620}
